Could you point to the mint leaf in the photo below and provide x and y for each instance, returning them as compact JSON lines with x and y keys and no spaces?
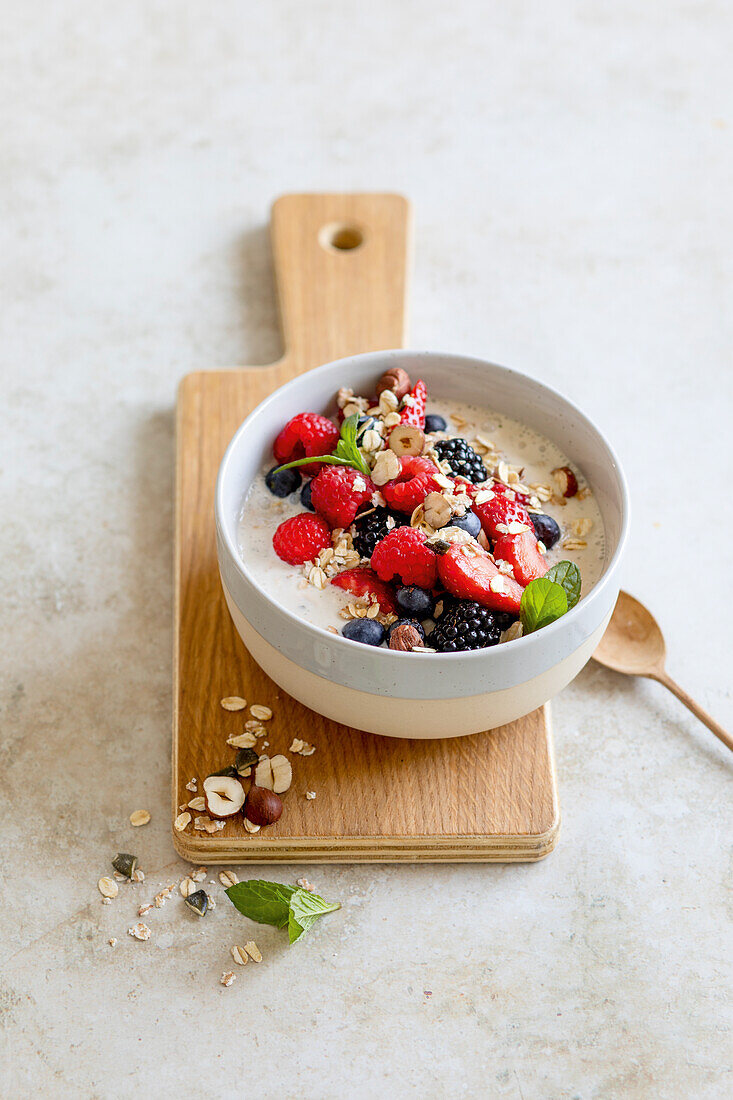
{"x":305,"y":909}
{"x":264,"y":902}
{"x":567,"y":574}
{"x":275,"y":903}
{"x":347,"y":452}
{"x":543,"y":601}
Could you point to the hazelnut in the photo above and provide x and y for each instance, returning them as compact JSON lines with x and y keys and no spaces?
{"x":274,"y":774}
{"x":406,"y":440}
{"x":395,"y":379}
{"x":262,"y":807}
{"x":224,"y":795}
{"x":565,"y":480}
{"x":404,"y":637}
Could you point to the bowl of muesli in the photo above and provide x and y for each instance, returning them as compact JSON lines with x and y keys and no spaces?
{"x":420,"y":544}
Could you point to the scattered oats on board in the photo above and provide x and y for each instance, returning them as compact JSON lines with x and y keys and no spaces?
{"x":181,"y":822}
{"x":239,"y":955}
{"x":260,"y":712}
{"x":305,"y":885}
{"x":253,"y":951}
{"x":250,"y":826}
{"x":227,"y":977}
{"x":192,"y":785}
{"x":310,"y":795}
{"x":139,"y":817}
{"x":303,"y":747}
{"x":246,"y":740}
{"x":108,"y":888}
{"x":198,"y":803}
{"x":228,"y":878}
{"x":139,"y":931}
{"x":234,"y":702}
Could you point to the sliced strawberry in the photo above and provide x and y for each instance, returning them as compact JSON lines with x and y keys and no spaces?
{"x":499,"y":512}
{"x":365,"y":582}
{"x":415,"y":404}
{"x":415,"y":480}
{"x":523,"y":553}
{"x":469,"y":573}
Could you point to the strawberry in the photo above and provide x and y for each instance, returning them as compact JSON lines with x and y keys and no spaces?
{"x":522,"y":552}
{"x":500,"y":511}
{"x":338,"y":492}
{"x":469,"y":573}
{"x":414,"y":404}
{"x":365,"y":582}
{"x":415,"y":480}
{"x":403,"y":555}
{"x":306,"y":435}
{"x":301,"y":538}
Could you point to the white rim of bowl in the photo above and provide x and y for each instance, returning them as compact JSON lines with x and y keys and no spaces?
{"x":529,"y":640}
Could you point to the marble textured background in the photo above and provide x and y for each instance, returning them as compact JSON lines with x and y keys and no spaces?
{"x":571,"y":170}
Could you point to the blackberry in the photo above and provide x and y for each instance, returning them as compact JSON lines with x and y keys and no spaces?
{"x":465,"y":625}
{"x":372,"y":527}
{"x":462,"y":459}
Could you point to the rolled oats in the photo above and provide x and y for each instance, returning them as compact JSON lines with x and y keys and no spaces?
{"x":197,"y":804}
{"x":228,"y":878}
{"x":139,"y":817}
{"x":199,"y":874}
{"x":303,"y":747}
{"x":310,"y":795}
{"x":187,"y":886}
{"x":181,"y":822}
{"x":139,"y":931}
{"x":227,"y":978}
{"x":108,"y":888}
{"x":239,"y":955}
{"x":244,"y":740}
{"x":192,"y":785}
{"x":250,"y":826}
{"x":260,"y":712}
{"x":234,"y":702}
{"x":253,"y":950}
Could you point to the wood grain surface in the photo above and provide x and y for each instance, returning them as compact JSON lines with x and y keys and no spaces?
{"x":489,"y":797}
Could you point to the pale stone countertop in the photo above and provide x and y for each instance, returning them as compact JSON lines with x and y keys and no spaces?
{"x":571,"y":170}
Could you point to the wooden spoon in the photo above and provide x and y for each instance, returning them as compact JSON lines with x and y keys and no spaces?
{"x":633,"y":644}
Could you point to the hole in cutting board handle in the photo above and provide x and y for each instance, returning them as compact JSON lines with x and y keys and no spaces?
{"x":341,"y":237}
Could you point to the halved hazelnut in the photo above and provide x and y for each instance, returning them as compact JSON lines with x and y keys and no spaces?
{"x":224,"y":795}
{"x":565,"y":481}
{"x":262,"y":807}
{"x":274,"y":774}
{"x":406,"y":440}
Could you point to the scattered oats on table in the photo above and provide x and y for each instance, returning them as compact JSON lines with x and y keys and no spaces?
{"x":246,"y":740}
{"x":138,"y":875}
{"x":310,"y":795}
{"x":143,"y":910}
{"x":160,"y":899}
{"x":112,"y":941}
{"x":253,"y":951}
{"x":227,"y":977}
{"x":187,"y":886}
{"x":239,"y":955}
{"x":260,"y":712}
{"x":108,"y":888}
{"x":139,"y":817}
{"x":303,"y":747}
{"x":228,"y":878}
{"x":139,"y":931}
{"x":305,"y":885}
{"x":199,"y":874}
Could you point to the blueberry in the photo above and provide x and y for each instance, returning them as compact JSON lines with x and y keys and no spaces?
{"x":415,"y":601}
{"x":406,"y":622}
{"x":546,"y":528}
{"x":282,"y":482}
{"x":470,"y":522}
{"x":305,"y":496}
{"x":366,"y":631}
{"x":435,"y":423}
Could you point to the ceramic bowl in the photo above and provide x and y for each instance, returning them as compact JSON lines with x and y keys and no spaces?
{"x":419,"y":695}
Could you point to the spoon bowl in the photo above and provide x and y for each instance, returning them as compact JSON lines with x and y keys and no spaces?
{"x":633,"y":645}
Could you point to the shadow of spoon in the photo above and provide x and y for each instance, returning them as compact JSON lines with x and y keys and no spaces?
{"x":633,"y":644}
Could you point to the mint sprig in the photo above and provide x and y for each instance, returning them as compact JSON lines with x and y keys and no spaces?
{"x":566,"y":574}
{"x":347,"y":452}
{"x":280,"y":905}
{"x":543,"y":601}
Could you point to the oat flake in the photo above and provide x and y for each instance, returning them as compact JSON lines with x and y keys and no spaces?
{"x":139,"y":931}
{"x":139,"y":817}
{"x":234,"y":702}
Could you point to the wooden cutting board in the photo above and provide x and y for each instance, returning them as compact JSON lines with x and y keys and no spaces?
{"x":341,"y":266}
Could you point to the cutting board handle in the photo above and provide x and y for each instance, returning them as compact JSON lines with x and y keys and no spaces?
{"x":341,"y":268}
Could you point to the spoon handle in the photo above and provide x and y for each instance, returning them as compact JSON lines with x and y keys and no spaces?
{"x":697,"y":710}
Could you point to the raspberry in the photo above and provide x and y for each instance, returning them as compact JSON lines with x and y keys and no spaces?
{"x":306,"y":435}
{"x":414,"y":404}
{"x":301,"y":538}
{"x":416,"y":479}
{"x":469,"y":573}
{"x":365,"y":582}
{"x":338,"y":492}
{"x":404,"y":555}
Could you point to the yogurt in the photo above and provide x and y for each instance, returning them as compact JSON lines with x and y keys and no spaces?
{"x":506,"y":445}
